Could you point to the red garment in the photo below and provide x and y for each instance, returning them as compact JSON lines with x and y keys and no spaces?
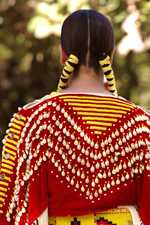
{"x":75,"y":154}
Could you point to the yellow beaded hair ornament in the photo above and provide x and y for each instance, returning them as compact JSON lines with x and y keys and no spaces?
{"x":109,"y":74}
{"x":68,"y":69}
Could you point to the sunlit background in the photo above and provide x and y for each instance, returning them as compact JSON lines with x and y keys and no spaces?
{"x":29,"y":49}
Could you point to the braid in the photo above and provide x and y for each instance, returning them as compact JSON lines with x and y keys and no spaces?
{"x":108,"y":72}
{"x":68,"y":69}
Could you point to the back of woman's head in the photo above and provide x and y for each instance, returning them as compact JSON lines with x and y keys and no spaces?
{"x":88,"y":35}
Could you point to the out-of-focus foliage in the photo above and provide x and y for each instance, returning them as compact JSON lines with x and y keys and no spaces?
{"x":29,"y":48}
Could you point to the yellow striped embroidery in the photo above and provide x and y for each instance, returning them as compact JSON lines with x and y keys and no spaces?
{"x":6,"y":171}
{"x":19,"y":117}
{"x":99,"y":119}
{"x":10,"y":146}
{"x":7,"y":178}
{"x":4,"y":183}
{"x":98,"y":123}
{"x":7,"y":166}
{"x":97,"y":132}
{"x":14,"y":136}
{"x":2,"y":199}
{"x":98,"y":102}
{"x":99,"y":106}
{"x":18,"y":122}
{"x":98,"y":110}
{"x":14,"y":131}
{"x":10,"y":156}
{"x":16,"y":126}
{"x":8,"y":162}
{"x":3,"y":189}
{"x":9,"y":151}
{"x":98,"y":128}
{"x":2,"y":194}
{"x":11,"y":141}
{"x":95,"y":97}
{"x":96,"y":114}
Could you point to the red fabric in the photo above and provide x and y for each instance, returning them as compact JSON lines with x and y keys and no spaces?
{"x":71,"y":202}
{"x":144,"y":199}
{"x":48,"y":188}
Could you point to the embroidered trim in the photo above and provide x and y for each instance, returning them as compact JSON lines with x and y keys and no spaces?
{"x":119,"y":216}
{"x":9,"y":152}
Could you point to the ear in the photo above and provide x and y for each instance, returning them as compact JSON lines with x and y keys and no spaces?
{"x":63,"y":55}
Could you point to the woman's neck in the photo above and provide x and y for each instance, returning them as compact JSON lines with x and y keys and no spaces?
{"x":87,"y":80}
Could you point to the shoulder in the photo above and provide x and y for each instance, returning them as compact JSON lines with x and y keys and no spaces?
{"x":35,"y":115}
{"x":137,"y":108}
{"x":24,"y":122}
{"x":26,"y":116}
{"x":144,"y":111}
{"x":141,"y":114}
{"x":137,"y":118}
{"x":28,"y":109}
{"x":141,"y":123}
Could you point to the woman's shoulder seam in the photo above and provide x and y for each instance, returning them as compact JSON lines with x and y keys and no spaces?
{"x":39,"y":101}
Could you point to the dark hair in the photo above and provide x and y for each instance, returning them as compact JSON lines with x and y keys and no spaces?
{"x":88,"y":35}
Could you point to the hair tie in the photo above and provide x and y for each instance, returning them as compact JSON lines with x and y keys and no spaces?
{"x":109,"y":74}
{"x":68,"y":69}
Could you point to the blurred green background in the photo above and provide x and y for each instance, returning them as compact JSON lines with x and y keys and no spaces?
{"x":29,"y":49}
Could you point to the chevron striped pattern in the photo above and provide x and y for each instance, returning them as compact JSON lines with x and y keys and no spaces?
{"x":98,"y":112}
